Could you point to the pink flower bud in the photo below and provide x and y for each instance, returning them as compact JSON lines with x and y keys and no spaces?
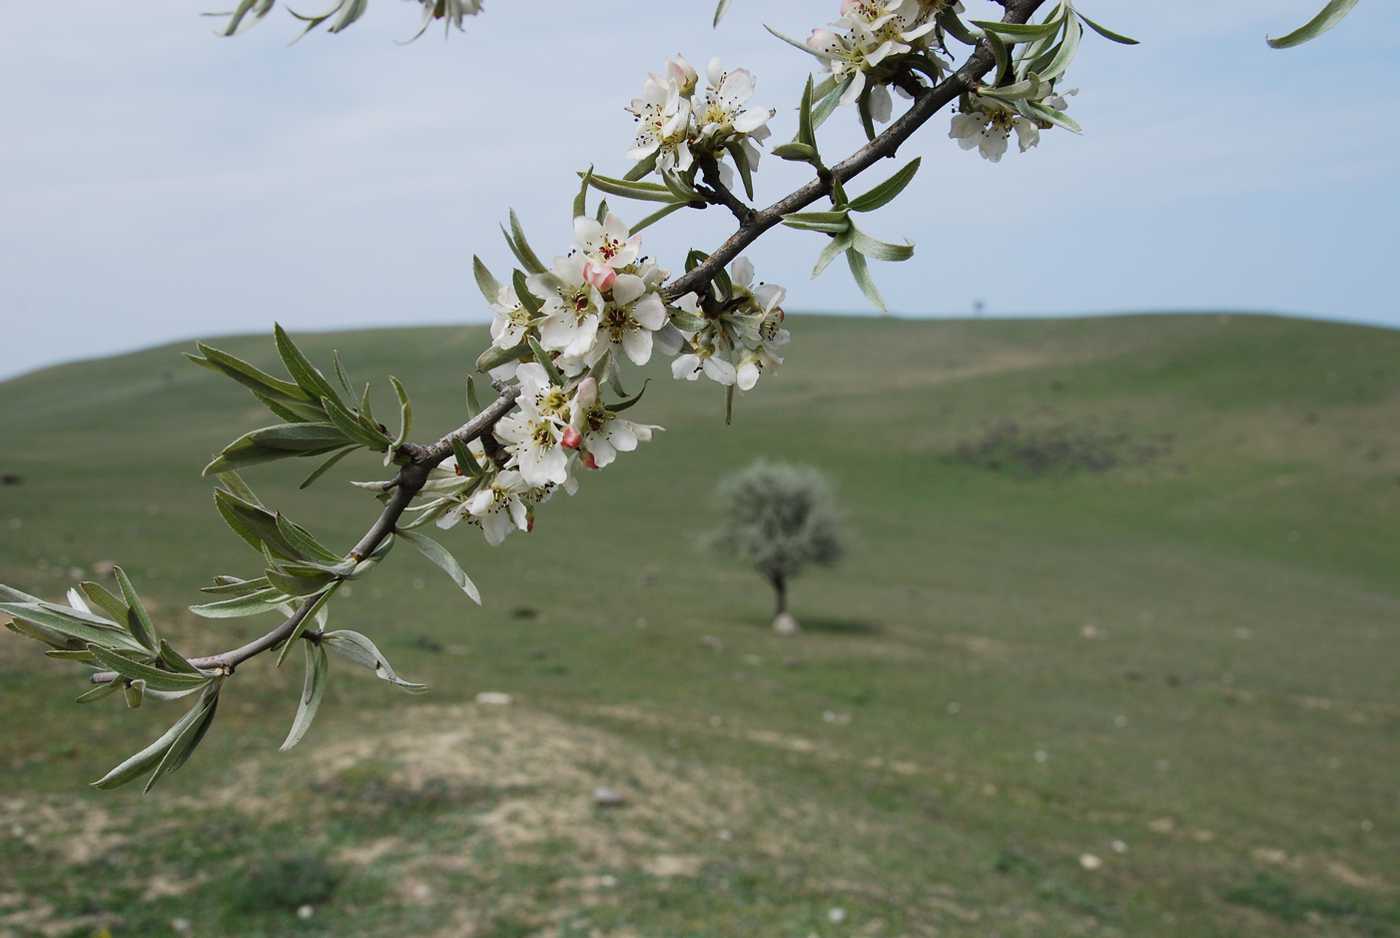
{"x":572,"y":439}
{"x":589,"y":461}
{"x":599,"y":275}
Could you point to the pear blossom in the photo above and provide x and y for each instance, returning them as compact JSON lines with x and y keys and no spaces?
{"x":986,"y":124}
{"x":510,"y":319}
{"x":724,"y":112}
{"x":602,"y":432}
{"x":497,"y":508}
{"x":629,"y":319}
{"x":663,"y":121}
{"x":533,"y":434}
{"x":609,"y":243}
{"x":867,"y":33}
{"x":702,"y":355}
{"x":572,"y":306}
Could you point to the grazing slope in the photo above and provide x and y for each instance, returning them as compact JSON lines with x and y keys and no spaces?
{"x":1115,"y":653}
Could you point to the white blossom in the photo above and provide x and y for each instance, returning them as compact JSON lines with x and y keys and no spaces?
{"x":534,"y":433}
{"x":602,"y":433}
{"x":572,"y":306}
{"x":498,"y":507}
{"x":510,"y":319}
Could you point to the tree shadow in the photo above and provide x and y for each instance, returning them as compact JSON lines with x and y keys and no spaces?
{"x":838,"y":626}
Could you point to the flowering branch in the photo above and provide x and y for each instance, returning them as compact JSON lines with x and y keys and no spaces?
{"x":562,"y":333}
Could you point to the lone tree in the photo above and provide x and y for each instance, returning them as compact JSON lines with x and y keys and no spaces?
{"x":781,"y":519}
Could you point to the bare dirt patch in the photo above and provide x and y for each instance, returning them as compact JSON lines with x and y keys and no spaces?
{"x":1055,"y":449}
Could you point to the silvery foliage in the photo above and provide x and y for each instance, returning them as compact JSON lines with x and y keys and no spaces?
{"x":562,"y":337}
{"x":778,"y":518}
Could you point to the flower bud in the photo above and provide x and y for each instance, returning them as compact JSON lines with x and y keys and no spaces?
{"x":589,"y":461}
{"x":599,"y":275}
{"x":571,"y":439}
{"x":683,"y":74}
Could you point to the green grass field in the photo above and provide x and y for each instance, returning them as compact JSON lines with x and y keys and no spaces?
{"x":1121,"y":589}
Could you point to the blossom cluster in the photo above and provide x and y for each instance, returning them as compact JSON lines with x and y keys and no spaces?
{"x":599,"y":303}
{"x":678,"y":124}
{"x":986,"y":123}
{"x":856,"y":48}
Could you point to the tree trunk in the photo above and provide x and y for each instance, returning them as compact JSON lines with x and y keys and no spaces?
{"x":783,"y":622}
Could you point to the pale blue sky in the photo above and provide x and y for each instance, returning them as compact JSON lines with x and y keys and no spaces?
{"x":158,"y":183}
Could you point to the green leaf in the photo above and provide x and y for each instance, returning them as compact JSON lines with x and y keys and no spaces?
{"x":546,"y":362}
{"x":1327,"y":17}
{"x":642,"y":169}
{"x":443,"y":558}
{"x":867,"y":122}
{"x":827,"y":104}
{"x":657,"y":215}
{"x":283,"y":441}
{"x":72,"y":625}
{"x":806,"y":136}
{"x":312,"y":690}
{"x":405,"y":419}
{"x":834,"y":248}
{"x":1018,"y":32}
{"x":341,"y":375}
{"x":313,"y":607}
{"x":354,"y":429}
{"x":880,"y":250}
{"x":155,"y":678}
{"x":887,"y":191}
{"x":520,"y":247}
{"x":175,"y":660}
{"x":358,"y":648}
{"x":1105,"y":32}
{"x":532,"y":303}
{"x":466,"y":462}
{"x":255,"y":524}
{"x":630,"y":402}
{"x":680,"y":188}
{"x":956,"y":28}
{"x":188,"y":738}
{"x":304,"y":542}
{"x":485,"y":282}
{"x":247,"y":374}
{"x":326,"y":467}
{"x":1058,"y":118}
{"x":494,"y":357}
{"x":135,"y":693}
{"x":1065,"y":52}
{"x":828,"y":222}
{"x":147,"y":759}
{"x":581,"y":200}
{"x":138,"y":621}
{"x":99,"y":692}
{"x":305,"y":374}
{"x":473,"y":404}
{"x":741,"y":160}
{"x":98,"y":596}
{"x":795,"y":153}
{"x":720,"y":10}
{"x":1002,"y":56}
{"x":861,"y":272}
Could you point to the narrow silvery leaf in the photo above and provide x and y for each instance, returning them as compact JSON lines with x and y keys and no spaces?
{"x":546,"y":362}
{"x":313,"y":607}
{"x":631,"y":189}
{"x":238,"y":607}
{"x":656,"y":216}
{"x":405,"y":413}
{"x":99,"y":596}
{"x":861,"y":272}
{"x":581,"y":200}
{"x":137,"y":619}
{"x":155,"y":678}
{"x":312,"y":690}
{"x":720,"y":10}
{"x":887,"y":191}
{"x":305,"y":374}
{"x":520,"y":247}
{"x":304,"y":542}
{"x":880,"y":250}
{"x":1329,"y":16}
{"x":485,"y":282}
{"x":326,"y":467}
{"x":100,"y":691}
{"x":69,"y":626}
{"x":359,"y":649}
{"x":1107,"y":33}
{"x":443,"y":558}
{"x":834,"y":248}
{"x":188,"y":738}
{"x":144,"y":761}
{"x":741,"y":161}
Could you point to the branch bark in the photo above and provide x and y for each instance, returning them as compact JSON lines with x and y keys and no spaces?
{"x":886,"y":144}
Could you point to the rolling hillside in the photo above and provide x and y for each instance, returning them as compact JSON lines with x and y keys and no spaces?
{"x":1114,"y":654}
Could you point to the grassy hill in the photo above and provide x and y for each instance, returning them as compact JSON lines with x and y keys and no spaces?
{"x":1115,"y":654}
